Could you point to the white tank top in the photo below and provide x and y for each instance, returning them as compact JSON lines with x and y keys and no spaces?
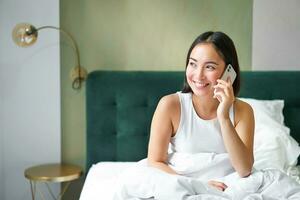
{"x":195,"y":135}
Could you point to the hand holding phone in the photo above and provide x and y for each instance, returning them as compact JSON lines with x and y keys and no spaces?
{"x":229,"y":72}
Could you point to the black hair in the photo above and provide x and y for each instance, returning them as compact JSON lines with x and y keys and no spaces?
{"x":224,"y":47}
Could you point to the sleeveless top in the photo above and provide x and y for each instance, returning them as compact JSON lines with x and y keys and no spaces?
{"x":195,"y":135}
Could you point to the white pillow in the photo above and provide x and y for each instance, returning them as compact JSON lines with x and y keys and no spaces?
{"x":273,"y":145}
{"x":272,"y":108}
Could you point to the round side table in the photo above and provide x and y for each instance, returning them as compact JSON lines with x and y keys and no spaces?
{"x":51,"y":173}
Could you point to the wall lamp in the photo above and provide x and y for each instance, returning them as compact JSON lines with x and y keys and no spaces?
{"x":25,"y":35}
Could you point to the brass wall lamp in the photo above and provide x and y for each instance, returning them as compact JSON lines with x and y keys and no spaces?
{"x":25,"y":35}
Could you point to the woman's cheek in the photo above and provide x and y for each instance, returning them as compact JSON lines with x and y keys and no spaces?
{"x":215,"y":78}
{"x":188,"y":76}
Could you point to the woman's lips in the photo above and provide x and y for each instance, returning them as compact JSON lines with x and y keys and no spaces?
{"x":200,"y":84}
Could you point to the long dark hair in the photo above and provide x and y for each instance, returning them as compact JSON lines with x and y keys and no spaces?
{"x":225,"y":48}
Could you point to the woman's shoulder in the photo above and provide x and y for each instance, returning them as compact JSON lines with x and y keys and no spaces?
{"x":242,"y":105}
{"x":169,"y":101}
{"x":168,"y":108}
{"x":242,"y":109}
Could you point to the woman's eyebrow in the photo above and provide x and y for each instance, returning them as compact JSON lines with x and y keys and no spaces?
{"x":207,"y":62}
{"x":211,"y":62}
{"x":193,"y":59}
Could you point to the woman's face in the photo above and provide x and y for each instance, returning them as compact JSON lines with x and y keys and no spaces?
{"x":204,"y":68}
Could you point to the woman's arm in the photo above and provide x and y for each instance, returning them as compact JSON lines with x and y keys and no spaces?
{"x":162,"y":128}
{"x":238,"y":138}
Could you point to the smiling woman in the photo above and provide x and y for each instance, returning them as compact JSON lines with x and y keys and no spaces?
{"x":204,"y":119}
{"x":182,"y":119}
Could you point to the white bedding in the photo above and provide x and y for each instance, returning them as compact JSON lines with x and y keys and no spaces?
{"x":149,"y":183}
{"x":101,"y":180}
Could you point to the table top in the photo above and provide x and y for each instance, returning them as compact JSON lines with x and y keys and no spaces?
{"x":57,"y":172}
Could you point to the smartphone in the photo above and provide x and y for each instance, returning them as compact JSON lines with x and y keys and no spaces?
{"x":229,"y":72}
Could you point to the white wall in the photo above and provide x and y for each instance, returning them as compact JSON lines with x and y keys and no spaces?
{"x":276,"y":35}
{"x":30,"y":96}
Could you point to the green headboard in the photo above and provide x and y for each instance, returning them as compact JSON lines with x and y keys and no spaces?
{"x":120,"y":105}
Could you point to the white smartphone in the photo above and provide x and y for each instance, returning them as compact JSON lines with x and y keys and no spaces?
{"x":229,"y":72}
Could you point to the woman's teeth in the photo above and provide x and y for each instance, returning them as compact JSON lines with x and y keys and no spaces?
{"x":198,"y":84}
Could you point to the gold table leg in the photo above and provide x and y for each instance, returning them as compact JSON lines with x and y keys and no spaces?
{"x":64,"y":190}
{"x":34,"y":189}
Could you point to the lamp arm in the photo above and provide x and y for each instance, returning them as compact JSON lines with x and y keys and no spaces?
{"x":80,"y":71}
{"x":75,"y":46}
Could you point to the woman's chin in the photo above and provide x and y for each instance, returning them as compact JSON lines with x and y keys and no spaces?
{"x":201,"y":92}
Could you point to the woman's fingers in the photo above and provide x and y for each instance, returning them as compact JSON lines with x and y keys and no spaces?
{"x":219,"y":95}
{"x":219,"y":185}
{"x":224,"y":86}
{"x":227,"y":81}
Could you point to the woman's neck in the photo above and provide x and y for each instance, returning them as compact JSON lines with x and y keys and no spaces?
{"x":205,"y":106}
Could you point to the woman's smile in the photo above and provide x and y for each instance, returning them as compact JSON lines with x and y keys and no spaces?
{"x":200,"y":84}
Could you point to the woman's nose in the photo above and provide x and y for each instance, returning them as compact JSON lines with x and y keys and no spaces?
{"x":200,"y":73}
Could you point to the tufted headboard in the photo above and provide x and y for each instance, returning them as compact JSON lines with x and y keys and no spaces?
{"x":120,"y":105}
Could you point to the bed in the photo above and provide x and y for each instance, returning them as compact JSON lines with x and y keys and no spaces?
{"x":120,"y":105}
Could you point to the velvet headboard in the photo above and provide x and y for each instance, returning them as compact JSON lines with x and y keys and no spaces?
{"x":120,"y":106}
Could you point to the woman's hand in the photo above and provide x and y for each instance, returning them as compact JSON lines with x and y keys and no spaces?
{"x":218,"y":185}
{"x":225,"y":95}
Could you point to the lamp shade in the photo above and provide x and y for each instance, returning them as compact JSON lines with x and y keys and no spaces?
{"x":24,"y":34}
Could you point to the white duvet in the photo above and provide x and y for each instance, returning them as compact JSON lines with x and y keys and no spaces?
{"x":103,"y":178}
{"x":142,"y":182}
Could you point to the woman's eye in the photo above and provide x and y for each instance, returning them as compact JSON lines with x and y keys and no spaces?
{"x":210,"y":67}
{"x":193,"y":64}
